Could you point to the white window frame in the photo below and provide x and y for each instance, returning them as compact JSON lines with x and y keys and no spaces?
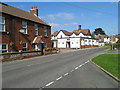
{"x":26,"y":46}
{"x":24,"y":28}
{"x":36,"y":29}
{"x":45,"y":30}
{"x":4,"y":49}
{"x":2,"y":23}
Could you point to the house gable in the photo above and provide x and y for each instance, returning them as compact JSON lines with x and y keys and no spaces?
{"x":61,"y":34}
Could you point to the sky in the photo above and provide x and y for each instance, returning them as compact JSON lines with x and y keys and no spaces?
{"x":68,"y":15}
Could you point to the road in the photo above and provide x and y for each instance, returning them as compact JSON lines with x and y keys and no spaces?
{"x":66,"y":70}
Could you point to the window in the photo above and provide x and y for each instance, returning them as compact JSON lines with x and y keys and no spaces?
{"x":3,"y":47}
{"x":45,"y":31}
{"x":61,"y":36}
{"x":36,"y":29}
{"x":45,"y":45}
{"x":24,"y":46}
{"x":2,"y":24}
{"x":24,"y":27}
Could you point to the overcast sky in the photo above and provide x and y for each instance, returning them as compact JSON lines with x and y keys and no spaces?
{"x":68,"y":15}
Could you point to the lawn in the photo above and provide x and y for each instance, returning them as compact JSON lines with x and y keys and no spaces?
{"x":109,"y":62}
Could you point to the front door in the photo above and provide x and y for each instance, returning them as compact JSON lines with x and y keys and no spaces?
{"x":68,"y":44}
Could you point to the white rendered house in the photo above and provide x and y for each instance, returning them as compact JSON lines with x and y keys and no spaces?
{"x":80,"y":38}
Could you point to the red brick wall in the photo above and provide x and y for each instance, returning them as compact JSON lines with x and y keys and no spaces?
{"x":13,"y":25}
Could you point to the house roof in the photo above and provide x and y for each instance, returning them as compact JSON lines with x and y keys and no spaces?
{"x":55,"y":33}
{"x":7,"y":9}
{"x":66,"y":32}
{"x":77,"y":32}
{"x":84,"y":31}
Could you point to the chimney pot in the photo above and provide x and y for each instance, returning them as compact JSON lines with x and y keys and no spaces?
{"x":34,"y":10}
{"x":79,"y":27}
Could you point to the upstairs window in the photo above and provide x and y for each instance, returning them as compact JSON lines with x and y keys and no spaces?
{"x":45,"y":31}
{"x":61,"y":36}
{"x":36,"y":29}
{"x":24,"y":46}
{"x":2,"y":23}
{"x":3,"y":47}
{"x":24,"y":27}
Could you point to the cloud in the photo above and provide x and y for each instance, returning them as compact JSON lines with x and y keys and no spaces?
{"x":54,"y":24}
{"x":68,"y":16}
{"x":74,"y":23}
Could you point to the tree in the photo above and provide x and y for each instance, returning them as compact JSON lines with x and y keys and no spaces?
{"x":93,"y":35}
{"x":99,"y":31}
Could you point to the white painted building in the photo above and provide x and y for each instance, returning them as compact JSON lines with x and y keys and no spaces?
{"x":77,"y":39}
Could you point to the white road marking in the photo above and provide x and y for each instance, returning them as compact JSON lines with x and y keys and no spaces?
{"x":71,"y":70}
{"x":76,"y":67}
{"x":87,"y":62}
{"x":59,"y":78}
{"x":49,"y":84}
{"x":66,"y":74}
{"x":79,"y":66}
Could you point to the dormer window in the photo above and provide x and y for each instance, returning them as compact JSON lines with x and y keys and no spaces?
{"x":61,"y":36}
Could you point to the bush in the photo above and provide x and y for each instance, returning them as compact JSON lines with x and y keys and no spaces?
{"x":108,"y":44}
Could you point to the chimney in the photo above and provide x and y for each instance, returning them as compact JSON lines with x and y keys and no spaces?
{"x":34,"y":10}
{"x":79,"y":27}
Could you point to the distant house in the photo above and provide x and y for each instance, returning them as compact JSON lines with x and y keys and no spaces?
{"x":106,"y":39}
{"x":23,"y":31}
{"x":80,"y":38}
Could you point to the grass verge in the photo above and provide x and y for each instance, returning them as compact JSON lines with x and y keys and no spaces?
{"x":109,"y":62}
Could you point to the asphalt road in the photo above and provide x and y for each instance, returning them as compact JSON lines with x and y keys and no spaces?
{"x":66,"y":70}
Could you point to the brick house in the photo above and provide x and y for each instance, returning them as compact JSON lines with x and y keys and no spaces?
{"x":23,"y":31}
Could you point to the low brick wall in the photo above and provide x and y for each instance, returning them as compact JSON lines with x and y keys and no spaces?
{"x":19,"y":55}
{"x":48,"y":52}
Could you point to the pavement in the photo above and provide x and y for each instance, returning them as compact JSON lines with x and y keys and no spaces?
{"x":113,"y":52}
{"x":69,"y":70}
{"x":68,"y":50}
